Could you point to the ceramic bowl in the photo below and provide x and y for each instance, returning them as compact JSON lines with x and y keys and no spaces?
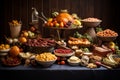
{"x":73,"y":63}
{"x":91,"y":23}
{"x":46,"y":63}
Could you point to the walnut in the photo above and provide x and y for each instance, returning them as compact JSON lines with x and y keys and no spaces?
{"x":92,"y":65}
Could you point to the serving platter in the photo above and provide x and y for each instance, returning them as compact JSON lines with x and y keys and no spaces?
{"x":63,"y":53}
{"x":64,"y":28}
{"x":12,"y":63}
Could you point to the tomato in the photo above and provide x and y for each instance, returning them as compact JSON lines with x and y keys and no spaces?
{"x":62,"y":62}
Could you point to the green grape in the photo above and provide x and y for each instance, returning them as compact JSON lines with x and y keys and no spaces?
{"x":77,"y":35}
{"x":116,"y":47}
{"x":88,"y":37}
{"x":118,"y":52}
{"x":86,"y":50}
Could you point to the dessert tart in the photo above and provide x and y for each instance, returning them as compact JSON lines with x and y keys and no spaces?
{"x":64,"y":52}
{"x":78,"y":42}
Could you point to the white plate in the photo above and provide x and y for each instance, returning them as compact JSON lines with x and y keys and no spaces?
{"x":64,"y":55}
{"x":3,"y":54}
{"x":6,"y":50}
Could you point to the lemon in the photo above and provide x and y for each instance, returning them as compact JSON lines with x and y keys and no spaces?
{"x":112,"y":45}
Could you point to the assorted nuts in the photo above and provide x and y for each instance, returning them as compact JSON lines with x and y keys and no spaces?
{"x":90,"y":19}
{"x":107,"y":33}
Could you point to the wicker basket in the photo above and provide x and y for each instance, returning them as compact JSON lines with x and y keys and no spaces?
{"x":112,"y":38}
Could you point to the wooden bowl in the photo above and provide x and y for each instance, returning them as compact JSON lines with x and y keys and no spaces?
{"x":107,"y":38}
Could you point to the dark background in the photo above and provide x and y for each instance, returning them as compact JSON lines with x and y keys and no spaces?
{"x":106,"y":10}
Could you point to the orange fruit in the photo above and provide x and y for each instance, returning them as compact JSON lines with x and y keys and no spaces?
{"x":14,"y":51}
{"x":51,"y":24}
{"x":25,"y":34}
{"x":22,"y":39}
{"x":61,"y":24}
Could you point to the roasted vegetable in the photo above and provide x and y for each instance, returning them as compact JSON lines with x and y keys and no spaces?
{"x":110,"y":56}
{"x":110,"y":61}
{"x":85,"y":50}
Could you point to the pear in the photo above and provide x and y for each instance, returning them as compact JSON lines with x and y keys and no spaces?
{"x":112,"y":45}
{"x":77,"y":22}
{"x":25,"y":34}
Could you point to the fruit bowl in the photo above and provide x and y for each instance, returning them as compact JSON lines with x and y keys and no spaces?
{"x":91,"y":22}
{"x":5,"y":50}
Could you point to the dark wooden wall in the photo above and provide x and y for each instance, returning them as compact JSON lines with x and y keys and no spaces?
{"x":21,"y":9}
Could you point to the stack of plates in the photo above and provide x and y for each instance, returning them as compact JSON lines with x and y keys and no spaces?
{"x":4,"y":52}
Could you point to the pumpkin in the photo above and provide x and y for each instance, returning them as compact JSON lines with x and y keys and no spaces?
{"x":64,"y":17}
{"x":14,"y":51}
